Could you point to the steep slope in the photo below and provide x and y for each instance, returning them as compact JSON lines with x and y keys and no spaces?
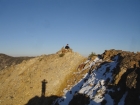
{"x":113,"y":79}
{"x":23,"y":82}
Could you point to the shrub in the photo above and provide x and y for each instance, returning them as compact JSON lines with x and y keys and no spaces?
{"x":61,"y":55}
{"x":92,"y":54}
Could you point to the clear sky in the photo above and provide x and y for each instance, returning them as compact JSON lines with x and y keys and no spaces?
{"x":36,"y":27}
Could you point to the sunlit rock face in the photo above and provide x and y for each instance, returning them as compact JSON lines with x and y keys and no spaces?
{"x":111,"y":79}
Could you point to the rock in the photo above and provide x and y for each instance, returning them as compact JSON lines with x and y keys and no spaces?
{"x":131,"y":81}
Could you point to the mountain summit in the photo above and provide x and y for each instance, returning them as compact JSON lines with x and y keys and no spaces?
{"x":67,"y":78}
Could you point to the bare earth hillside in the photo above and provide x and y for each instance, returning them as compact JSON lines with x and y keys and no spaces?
{"x":6,"y":61}
{"x":23,"y":81}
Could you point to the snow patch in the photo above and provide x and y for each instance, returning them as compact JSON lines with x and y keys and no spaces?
{"x":94,"y":87}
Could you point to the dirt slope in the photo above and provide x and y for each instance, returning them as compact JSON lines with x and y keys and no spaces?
{"x":21,"y":82}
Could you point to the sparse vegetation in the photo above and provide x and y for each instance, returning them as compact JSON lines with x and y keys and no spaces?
{"x":70,"y":80}
{"x":92,"y":54}
{"x":57,"y":71}
{"x":61,"y":55}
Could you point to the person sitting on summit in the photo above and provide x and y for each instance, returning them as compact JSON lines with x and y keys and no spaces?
{"x":67,"y":46}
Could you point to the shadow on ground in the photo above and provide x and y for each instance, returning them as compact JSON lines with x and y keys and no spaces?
{"x":42,"y":100}
{"x":80,"y":99}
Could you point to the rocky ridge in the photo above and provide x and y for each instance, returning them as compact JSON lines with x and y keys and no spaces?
{"x":113,"y":79}
{"x":21,"y":82}
{"x":126,"y":76}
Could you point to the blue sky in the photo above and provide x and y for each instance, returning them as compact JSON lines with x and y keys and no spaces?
{"x":36,"y":27}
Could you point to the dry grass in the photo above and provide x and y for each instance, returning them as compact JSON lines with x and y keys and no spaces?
{"x":71,"y":79}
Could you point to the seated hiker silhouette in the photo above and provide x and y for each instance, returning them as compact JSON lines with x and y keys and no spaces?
{"x":67,"y":46}
{"x":43,"y":87}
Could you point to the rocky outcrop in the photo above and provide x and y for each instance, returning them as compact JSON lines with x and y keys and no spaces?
{"x":126,"y":75}
{"x":64,"y":51}
{"x":111,"y":79}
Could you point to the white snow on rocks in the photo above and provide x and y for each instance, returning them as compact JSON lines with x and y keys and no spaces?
{"x":95,"y":85}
